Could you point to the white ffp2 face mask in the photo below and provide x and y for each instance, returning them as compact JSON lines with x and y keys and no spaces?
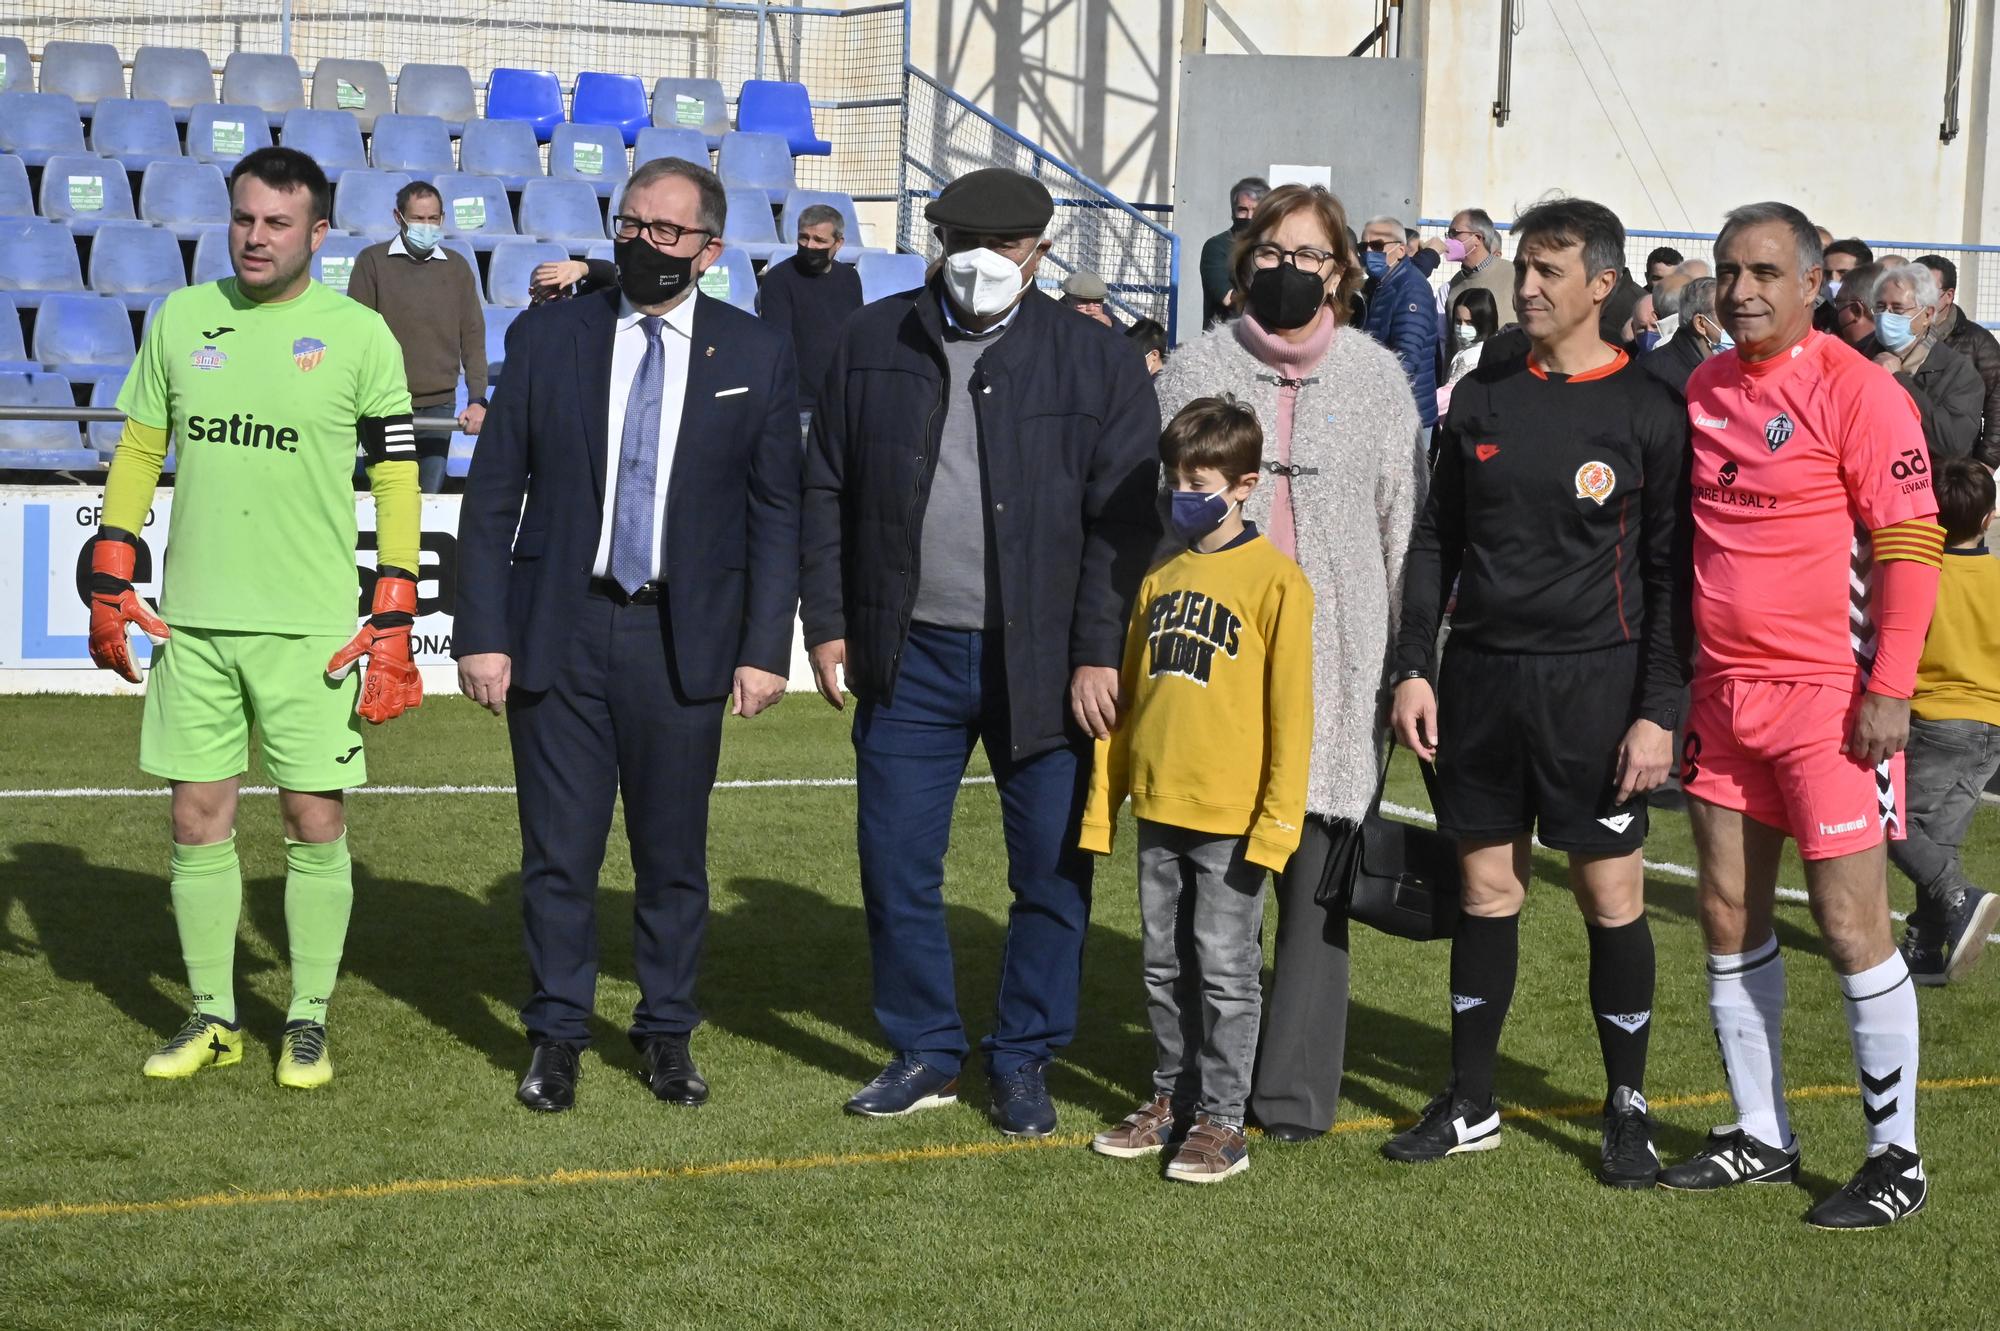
{"x":984,"y":282}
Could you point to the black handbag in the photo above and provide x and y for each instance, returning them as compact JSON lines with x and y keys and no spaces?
{"x":1400,"y":878}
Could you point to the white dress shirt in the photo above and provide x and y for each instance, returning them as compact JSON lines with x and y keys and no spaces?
{"x":436,"y":251}
{"x":628,"y":349}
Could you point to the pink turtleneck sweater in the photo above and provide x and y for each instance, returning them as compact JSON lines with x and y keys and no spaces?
{"x":1287,"y":360}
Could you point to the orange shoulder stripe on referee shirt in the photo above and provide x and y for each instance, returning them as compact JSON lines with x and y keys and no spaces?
{"x":1919,"y":540}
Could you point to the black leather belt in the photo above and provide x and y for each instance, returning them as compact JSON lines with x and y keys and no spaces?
{"x":648,"y":593}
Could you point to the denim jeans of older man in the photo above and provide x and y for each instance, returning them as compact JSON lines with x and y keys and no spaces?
{"x":910,"y":759}
{"x":1948,"y":764}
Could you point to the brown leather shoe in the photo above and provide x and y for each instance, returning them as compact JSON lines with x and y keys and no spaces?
{"x":1211,"y":1153}
{"x":1145,"y":1131}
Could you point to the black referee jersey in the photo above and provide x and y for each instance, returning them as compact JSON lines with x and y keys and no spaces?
{"x":1559,"y":505}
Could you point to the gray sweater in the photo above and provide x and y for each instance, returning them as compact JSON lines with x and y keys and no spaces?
{"x":1358,"y":426}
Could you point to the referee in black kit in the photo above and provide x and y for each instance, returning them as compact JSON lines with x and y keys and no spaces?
{"x":1559,"y":505}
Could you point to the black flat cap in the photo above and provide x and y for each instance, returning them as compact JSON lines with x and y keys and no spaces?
{"x":994,"y":200}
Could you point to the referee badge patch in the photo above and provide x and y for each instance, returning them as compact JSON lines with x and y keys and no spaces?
{"x":1777,"y":430}
{"x":1595,"y":481}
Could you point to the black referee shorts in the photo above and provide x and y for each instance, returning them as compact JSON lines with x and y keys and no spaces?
{"x":1529,"y":743}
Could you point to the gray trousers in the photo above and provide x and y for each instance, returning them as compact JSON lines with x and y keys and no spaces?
{"x":1201,"y":908}
{"x":1946,"y":766}
{"x":1304,"y":1045}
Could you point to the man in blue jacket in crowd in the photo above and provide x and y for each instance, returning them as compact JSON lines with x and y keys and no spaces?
{"x":1402,"y":312}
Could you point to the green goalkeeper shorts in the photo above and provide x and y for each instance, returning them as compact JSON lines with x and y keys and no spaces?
{"x":207,"y":688}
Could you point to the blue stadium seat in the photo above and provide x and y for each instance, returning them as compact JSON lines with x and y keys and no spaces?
{"x":85,"y":72}
{"x":463,"y":249}
{"x":331,"y":138}
{"x":420,"y":145}
{"x":13,"y":351}
{"x":617,"y":100}
{"x":37,"y":257}
{"x":365,"y":203}
{"x":530,"y":95}
{"x":565,"y":211}
{"x":177,"y":75}
{"x":600,"y":249}
{"x":884,"y":273}
{"x":768,"y":107}
{"x":17,"y":70}
{"x":656,"y":141}
{"x":35,"y":126}
{"x":224,"y":133}
{"x":749,"y":224}
{"x":499,"y":318}
{"x":40,"y":445}
{"x":733,"y":278}
{"x":359,"y":87}
{"x":103,"y":435}
{"x":594,"y":154}
{"x":83,"y":336}
{"x":16,"y":199}
{"x":756,"y":161}
{"x":444,"y":91}
{"x":136,"y":131}
{"x":514,"y":261}
{"x":333,"y":264}
{"x":211,"y":256}
{"x":135,"y":262}
{"x":801,"y":199}
{"x":271,"y":83}
{"x":84,"y":192}
{"x":503,"y":149}
{"x":183,"y":197}
{"x":692,"y":104}
{"x":475,"y":208}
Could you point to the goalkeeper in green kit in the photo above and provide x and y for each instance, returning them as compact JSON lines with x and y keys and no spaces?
{"x":266,"y":380}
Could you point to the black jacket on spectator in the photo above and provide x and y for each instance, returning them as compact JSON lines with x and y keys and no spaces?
{"x":1069,"y":430}
{"x":1949,"y":395}
{"x":1674,"y":360}
{"x":810,"y":307}
{"x":1979,"y":346}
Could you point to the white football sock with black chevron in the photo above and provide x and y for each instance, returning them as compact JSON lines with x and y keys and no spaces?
{"x":1746,"y":1000}
{"x":1882,"y":1025}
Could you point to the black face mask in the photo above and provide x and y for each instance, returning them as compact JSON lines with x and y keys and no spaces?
{"x":815,"y":261}
{"x":1238,"y":225}
{"x":646,"y":275}
{"x":1283,"y":297}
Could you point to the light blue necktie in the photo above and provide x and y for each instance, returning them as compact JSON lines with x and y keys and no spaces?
{"x":632,"y":542}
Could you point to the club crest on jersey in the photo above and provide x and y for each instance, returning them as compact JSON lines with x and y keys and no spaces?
{"x":308,"y":352}
{"x":1777,"y":430}
{"x":208,"y":358}
{"x":1595,"y":481}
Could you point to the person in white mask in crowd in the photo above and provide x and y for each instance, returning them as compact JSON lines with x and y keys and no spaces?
{"x":1890,"y":315}
{"x":1842,"y":258}
{"x":1474,"y":319}
{"x":979,"y":511}
{"x":1696,"y":334}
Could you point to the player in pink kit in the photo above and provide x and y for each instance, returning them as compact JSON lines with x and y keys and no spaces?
{"x":1816,"y":557}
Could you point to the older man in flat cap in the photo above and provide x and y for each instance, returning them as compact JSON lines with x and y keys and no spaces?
{"x":979,"y":511}
{"x":1086,"y":293}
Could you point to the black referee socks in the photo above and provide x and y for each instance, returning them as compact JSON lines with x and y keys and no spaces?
{"x":1621,"y":994}
{"x":1485,"y":952}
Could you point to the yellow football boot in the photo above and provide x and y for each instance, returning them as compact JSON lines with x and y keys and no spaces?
{"x":303,"y":1065}
{"x":204,"y":1042}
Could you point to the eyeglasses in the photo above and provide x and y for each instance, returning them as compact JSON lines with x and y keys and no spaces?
{"x":1305,"y":260}
{"x":663,"y":234}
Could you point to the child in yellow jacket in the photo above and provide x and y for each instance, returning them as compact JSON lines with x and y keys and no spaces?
{"x":1212,"y":744}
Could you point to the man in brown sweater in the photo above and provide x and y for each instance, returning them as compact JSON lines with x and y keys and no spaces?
{"x":429,"y":296}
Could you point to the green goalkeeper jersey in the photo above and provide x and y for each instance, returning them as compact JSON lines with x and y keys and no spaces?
{"x":266,"y":405}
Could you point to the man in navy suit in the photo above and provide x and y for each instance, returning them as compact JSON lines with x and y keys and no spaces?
{"x":628,"y":557}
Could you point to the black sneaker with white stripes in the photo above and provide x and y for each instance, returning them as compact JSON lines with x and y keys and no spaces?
{"x":1732,"y":1156}
{"x":1629,"y":1159}
{"x":1890,"y":1187}
{"x":1449,"y":1126}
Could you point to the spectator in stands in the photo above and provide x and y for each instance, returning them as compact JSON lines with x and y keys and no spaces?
{"x":1149,"y":336}
{"x":1887,"y":314}
{"x":1613,"y":321}
{"x":1661,"y":262}
{"x":1345,"y":479}
{"x":1244,"y":196}
{"x":1666,"y":295}
{"x":810,"y":296}
{"x":1695,"y":268}
{"x":1842,"y":258}
{"x":1962,"y":334}
{"x":980,"y":507}
{"x":1425,"y":257}
{"x":1697,"y":336}
{"x":1085,"y":292}
{"x":429,"y":297}
{"x":1642,"y":330}
{"x":1474,"y":320}
{"x":1400,"y":314}
{"x":1482,"y":265}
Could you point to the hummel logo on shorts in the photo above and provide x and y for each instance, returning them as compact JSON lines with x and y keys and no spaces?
{"x":1617,"y":822}
{"x":1464,"y":1002}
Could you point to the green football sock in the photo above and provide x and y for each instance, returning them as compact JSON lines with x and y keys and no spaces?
{"x":319,"y":894}
{"x":208,"y":898}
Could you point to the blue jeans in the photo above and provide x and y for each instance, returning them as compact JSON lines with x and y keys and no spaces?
{"x":910,"y":758}
{"x":1946,"y":765}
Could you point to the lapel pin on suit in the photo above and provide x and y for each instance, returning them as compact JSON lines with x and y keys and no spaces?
{"x":709,"y":352}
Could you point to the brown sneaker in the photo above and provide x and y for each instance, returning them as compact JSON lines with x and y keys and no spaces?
{"x":1145,"y":1130}
{"x":1211,"y":1153}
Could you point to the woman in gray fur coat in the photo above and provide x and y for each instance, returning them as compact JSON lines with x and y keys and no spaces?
{"x":1346,"y":478}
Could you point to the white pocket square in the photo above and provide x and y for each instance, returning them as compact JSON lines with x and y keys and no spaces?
{"x":732,"y":392}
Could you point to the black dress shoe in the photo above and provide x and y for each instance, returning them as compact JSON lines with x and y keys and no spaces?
{"x":671,"y":1072}
{"x":1292,"y":1132}
{"x":550,"y":1086}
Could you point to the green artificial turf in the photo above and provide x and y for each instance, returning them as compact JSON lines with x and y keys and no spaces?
{"x":930,"y":1221}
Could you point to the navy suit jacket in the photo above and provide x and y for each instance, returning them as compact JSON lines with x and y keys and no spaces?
{"x":534,"y":501}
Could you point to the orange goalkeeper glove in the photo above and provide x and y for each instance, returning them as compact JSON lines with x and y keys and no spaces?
{"x":392,"y":685}
{"x":113,"y":603}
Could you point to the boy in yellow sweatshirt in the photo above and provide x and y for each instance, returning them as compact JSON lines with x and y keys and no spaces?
{"x":1212,"y":746}
{"x":1954,"y":735}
